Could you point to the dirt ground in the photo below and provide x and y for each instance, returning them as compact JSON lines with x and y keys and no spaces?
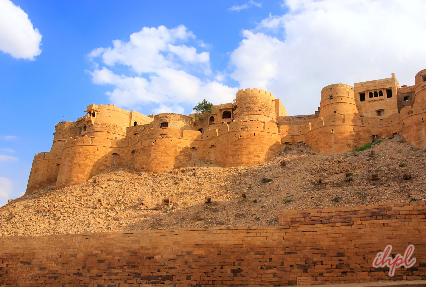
{"x":205,"y":195}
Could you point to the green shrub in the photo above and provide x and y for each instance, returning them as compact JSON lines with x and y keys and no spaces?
{"x":367,"y":146}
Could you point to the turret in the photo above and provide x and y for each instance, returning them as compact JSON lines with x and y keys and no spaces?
{"x":254,"y":105}
{"x":337,"y":99}
{"x":420,"y":89}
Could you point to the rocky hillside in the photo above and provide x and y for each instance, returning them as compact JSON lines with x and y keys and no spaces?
{"x":203,"y":195}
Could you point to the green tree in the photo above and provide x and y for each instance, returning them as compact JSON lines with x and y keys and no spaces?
{"x":203,"y":108}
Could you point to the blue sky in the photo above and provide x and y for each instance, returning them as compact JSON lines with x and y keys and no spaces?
{"x":57,"y":57}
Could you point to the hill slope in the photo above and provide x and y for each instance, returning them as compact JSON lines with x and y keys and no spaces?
{"x":122,"y":199}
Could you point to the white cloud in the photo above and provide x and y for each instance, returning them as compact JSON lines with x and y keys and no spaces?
{"x":8,"y":150}
{"x":221,"y":76}
{"x":7,"y":158}
{"x":318,"y":43}
{"x":169,"y":109}
{"x":163,"y":69}
{"x":5,"y":189}
{"x":245,"y":6}
{"x":17,"y":35}
{"x":8,"y":137}
{"x":151,"y":49}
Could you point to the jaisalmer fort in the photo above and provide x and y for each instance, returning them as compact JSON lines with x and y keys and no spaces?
{"x":241,"y":196}
{"x":248,"y":131}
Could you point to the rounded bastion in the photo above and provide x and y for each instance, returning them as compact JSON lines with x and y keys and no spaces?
{"x":337,"y":99}
{"x":420,"y":90}
{"x":254,"y":105}
{"x":420,"y":77}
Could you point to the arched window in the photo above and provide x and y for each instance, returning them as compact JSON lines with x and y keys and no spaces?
{"x":380,"y":93}
{"x":211,"y":120}
{"x":135,"y":123}
{"x":226,"y":115}
{"x":376,"y":94}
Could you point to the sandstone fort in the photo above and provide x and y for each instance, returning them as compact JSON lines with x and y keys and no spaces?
{"x":250,"y":130}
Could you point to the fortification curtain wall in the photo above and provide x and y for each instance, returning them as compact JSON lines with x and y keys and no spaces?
{"x":323,"y":246}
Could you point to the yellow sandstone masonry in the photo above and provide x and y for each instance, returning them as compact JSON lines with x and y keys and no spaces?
{"x":250,"y":130}
{"x":335,"y":245}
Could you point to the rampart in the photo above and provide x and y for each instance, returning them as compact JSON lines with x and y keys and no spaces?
{"x":335,"y":245}
{"x":250,"y":130}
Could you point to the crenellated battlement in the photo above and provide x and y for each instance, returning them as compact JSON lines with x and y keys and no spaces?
{"x":254,"y":91}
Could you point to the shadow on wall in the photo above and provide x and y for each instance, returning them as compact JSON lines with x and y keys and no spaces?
{"x":184,"y":156}
{"x":276,"y":148}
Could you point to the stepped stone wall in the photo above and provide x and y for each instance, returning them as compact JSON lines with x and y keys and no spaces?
{"x":335,"y":245}
{"x":251,"y":130}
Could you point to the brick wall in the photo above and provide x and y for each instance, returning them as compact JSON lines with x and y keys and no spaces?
{"x":329,"y":246}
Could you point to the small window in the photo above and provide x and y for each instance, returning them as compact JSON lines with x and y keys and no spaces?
{"x":362,"y":97}
{"x":84,"y":128}
{"x":424,"y":78}
{"x":370,"y":94}
{"x":380,"y":93}
{"x":330,"y":97}
{"x":135,"y":124}
{"x":388,"y":93}
{"x":380,"y":112}
{"x":114,"y":158}
{"x":334,"y":111}
{"x":226,"y":115}
{"x":211,"y":120}
{"x":164,"y":125}
{"x":406,"y":98}
{"x":93,"y":114}
{"x":376,"y":94}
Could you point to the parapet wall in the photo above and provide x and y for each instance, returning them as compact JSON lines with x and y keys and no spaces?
{"x":322,"y":246}
{"x":111,"y":115}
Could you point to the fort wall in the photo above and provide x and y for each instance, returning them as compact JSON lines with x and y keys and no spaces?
{"x":335,"y":245}
{"x":164,"y":149}
{"x":173,"y":121}
{"x":251,"y":130}
{"x":44,"y":171}
{"x":107,"y":114}
{"x":83,"y":158}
